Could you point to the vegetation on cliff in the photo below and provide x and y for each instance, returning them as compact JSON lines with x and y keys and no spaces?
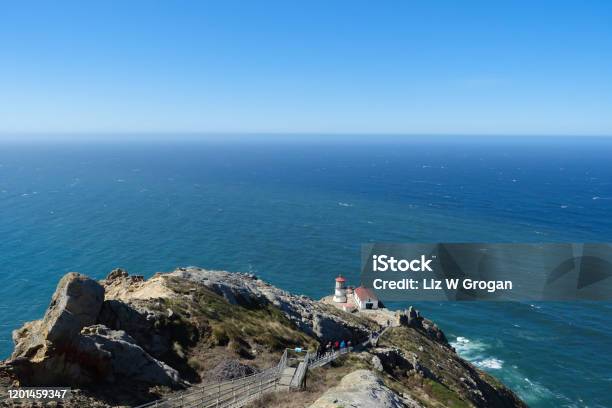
{"x":126,"y":340}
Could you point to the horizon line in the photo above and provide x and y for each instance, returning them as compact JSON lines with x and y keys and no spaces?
{"x":209,"y":133}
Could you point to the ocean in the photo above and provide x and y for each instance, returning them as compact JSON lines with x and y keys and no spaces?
{"x":295,"y":211}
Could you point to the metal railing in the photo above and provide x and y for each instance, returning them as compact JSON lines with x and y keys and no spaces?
{"x":240,"y":391}
{"x":230,"y":393}
{"x":328,"y":357}
{"x":297,"y":381}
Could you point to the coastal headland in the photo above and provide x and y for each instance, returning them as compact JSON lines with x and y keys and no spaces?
{"x":126,"y":340}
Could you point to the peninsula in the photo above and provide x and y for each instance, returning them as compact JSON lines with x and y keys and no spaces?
{"x":127,"y":341}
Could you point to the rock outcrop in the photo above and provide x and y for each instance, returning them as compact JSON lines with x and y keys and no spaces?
{"x":127,"y":340}
{"x":360,"y":389}
{"x":412,"y":318}
{"x":67,"y":346}
{"x":116,"y":355}
{"x":74,"y":305}
{"x":317,"y":319}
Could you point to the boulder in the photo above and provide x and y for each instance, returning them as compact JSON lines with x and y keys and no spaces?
{"x":359,"y":389}
{"x":67,"y":345}
{"x":75,"y":304}
{"x":114,"y":354}
{"x":117,"y":273}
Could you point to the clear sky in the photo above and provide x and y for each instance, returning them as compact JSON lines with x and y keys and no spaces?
{"x":465,"y":67}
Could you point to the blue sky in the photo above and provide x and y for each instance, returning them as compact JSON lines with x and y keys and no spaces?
{"x":463,"y":67}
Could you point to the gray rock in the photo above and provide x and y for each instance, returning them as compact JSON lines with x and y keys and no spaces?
{"x":312,"y":317}
{"x":377,"y":364}
{"x":326,"y":327}
{"x":359,"y":389}
{"x":74,"y":305}
{"x":115,"y":354}
{"x":393,"y":359}
{"x":117,"y":274}
{"x":412,"y":318}
{"x":139,"y":322}
{"x":67,"y":346}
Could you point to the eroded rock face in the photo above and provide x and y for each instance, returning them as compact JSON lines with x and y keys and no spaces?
{"x":139,"y":323}
{"x":75,"y":304}
{"x":66,"y":345}
{"x":121,"y":286}
{"x":412,"y":318}
{"x":118,"y":355}
{"x":359,"y":389}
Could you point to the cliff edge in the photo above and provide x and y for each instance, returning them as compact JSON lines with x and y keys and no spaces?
{"x":125,"y":340}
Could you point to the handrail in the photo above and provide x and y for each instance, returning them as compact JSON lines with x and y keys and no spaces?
{"x":298,"y":377}
{"x":220,"y":389}
{"x":237,"y":392}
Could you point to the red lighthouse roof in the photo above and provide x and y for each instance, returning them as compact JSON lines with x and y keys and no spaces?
{"x":340,"y":278}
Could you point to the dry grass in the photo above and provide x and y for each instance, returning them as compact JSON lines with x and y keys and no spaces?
{"x":255,"y":334}
{"x":318,"y":381}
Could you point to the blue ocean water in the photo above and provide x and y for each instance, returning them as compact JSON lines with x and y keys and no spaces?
{"x":295,"y":212}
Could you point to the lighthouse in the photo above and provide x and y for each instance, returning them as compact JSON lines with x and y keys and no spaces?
{"x":340,"y":293}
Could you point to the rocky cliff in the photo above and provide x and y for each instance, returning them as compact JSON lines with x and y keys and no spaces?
{"x":126,"y":340}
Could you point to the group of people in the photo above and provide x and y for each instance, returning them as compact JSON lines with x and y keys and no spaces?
{"x":333,"y":346}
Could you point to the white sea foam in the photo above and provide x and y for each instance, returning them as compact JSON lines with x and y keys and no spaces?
{"x":475,"y":351}
{"x":533,"y":391}
{"x":472,"y":350}
{"x":341,"y":204}
{"x":490,"y":363}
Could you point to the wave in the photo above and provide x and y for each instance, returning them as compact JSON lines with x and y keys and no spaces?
{"x":490,"y":363}
{"x":529,"y":390}
{"x":471,"y":350}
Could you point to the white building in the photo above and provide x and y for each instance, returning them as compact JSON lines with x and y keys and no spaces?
{"x":365,"y":298}
{"x":349,"y":299}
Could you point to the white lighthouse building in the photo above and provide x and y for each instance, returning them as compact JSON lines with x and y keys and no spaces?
{"x":352,"y":299}
{"x":340,"y":293}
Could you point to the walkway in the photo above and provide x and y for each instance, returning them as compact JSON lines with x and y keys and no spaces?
{"x":239,"y":392}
